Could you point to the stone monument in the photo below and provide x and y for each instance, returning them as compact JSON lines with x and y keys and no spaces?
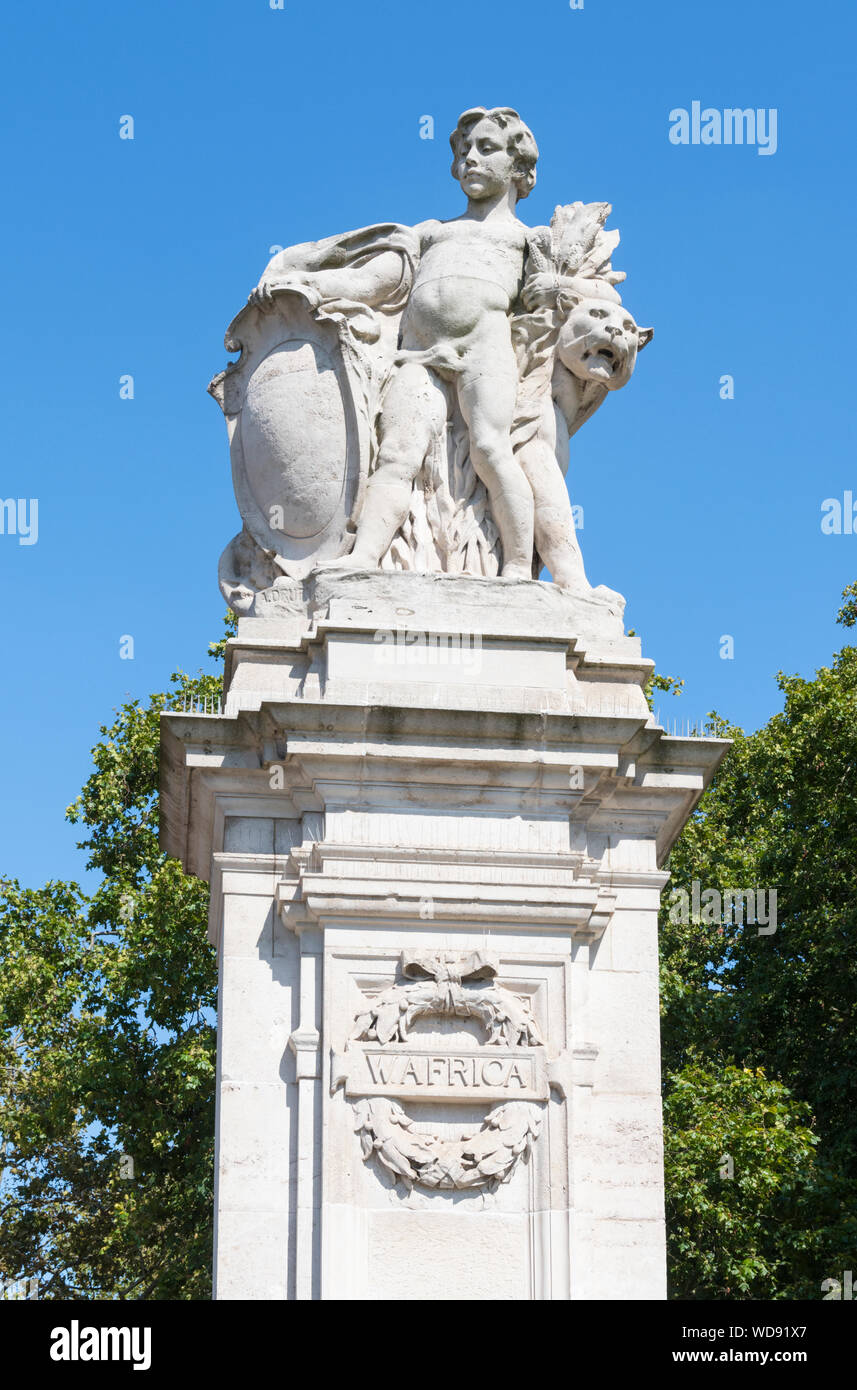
{"x":434,"y":806}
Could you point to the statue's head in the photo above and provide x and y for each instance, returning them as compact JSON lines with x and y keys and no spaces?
{"x":599,"y":341}
{"x":493,"y":150}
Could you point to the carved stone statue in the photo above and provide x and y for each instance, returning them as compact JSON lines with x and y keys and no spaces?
{"x":404,"y":396}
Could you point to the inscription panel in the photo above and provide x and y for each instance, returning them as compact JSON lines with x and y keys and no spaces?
{"x":409,"y":1072}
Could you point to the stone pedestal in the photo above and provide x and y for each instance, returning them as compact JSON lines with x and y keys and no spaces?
{"x":433,"y":813}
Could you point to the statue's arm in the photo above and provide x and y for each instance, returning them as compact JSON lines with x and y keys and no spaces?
{"x":587,"y":287}
{"x":545,"y":287}
{"x":548,"y":289}
{"x":373,"y":266}
{"x":371,"y":283}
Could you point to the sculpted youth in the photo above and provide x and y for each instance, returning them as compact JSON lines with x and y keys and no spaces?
{"x":472,"y":350}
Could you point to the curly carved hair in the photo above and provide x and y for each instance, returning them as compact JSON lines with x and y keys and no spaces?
{"x":520,"y":142}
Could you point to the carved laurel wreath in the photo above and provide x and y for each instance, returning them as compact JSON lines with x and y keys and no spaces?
{"x":506,"y":1017}
{"x":450,"y":987}
{"x":484,"y":1158}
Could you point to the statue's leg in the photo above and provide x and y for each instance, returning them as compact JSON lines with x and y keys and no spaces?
{"x":414,"y":409}
{"x":556,"y":538}
{"x":487,"y":400}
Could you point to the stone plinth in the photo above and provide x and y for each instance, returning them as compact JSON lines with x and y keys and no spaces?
{"x":433,"y":813}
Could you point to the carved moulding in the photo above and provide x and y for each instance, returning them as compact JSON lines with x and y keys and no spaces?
{"x":511,"y":1062}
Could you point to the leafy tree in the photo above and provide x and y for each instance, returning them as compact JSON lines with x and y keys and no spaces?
{"x":780,"y":1008}
{"x":847,"y":614}
{"x":737,"y":1153}
{"x":107,"y":1047}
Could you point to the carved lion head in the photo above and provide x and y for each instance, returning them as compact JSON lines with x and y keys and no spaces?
{"x":599,"y":341}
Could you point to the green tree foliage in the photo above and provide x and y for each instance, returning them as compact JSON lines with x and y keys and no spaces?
{"x":738,"y":1154}
{"x":107,"y":1047}
{"x":769,"y":1010}
{"x":847,"y":614}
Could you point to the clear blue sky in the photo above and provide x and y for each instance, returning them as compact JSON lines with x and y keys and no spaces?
{"x":256,"y":126}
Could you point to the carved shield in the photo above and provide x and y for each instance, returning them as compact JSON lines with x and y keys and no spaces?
{"x":296,"y":408}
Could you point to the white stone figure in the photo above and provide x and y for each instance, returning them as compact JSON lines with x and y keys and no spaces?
{"x":466,"y":353}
